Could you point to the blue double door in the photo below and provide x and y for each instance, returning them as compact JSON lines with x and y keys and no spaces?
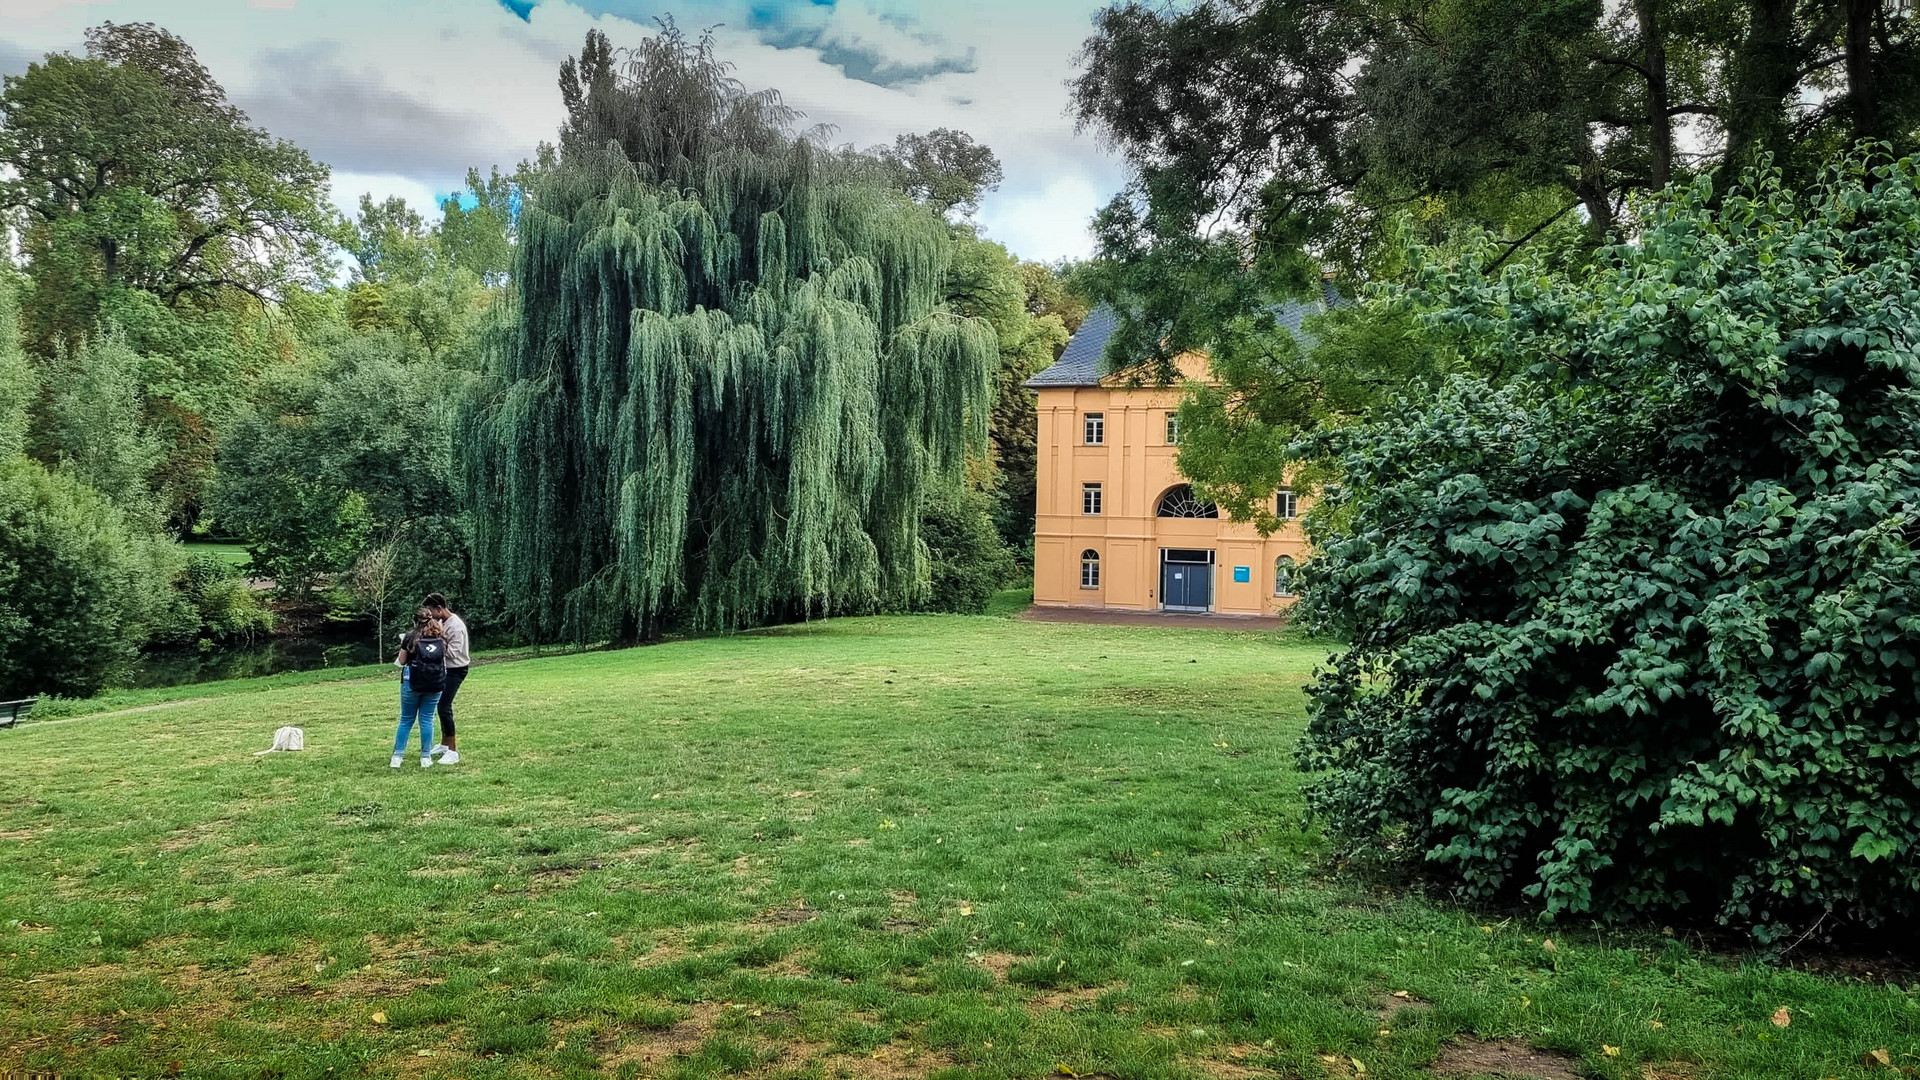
{"x":1186,"y":580}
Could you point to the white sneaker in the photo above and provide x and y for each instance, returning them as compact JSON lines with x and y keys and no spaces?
{"x":438,"y":749}
{"x":395,"y":763}
{"x":451,"y":757}
{"x":426,"y":761}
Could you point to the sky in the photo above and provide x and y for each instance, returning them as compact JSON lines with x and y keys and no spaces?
{"x":400,"y":97}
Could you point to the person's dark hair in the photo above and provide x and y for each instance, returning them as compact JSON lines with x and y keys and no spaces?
{"x":421,"y":618}
{"x":427,"y":624}
{"x":436,"y":601}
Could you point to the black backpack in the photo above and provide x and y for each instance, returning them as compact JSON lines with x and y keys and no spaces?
{"x":427,"y":665}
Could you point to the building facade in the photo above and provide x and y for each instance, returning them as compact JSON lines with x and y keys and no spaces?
{"x":1117,"y":526}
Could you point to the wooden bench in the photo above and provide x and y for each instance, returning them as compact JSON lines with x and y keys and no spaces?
{"x":12,"y":711}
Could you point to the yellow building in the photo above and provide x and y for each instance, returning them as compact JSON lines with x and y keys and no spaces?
{"x":1117,"y":526}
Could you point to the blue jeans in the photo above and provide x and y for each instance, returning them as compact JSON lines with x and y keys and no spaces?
{"x":415,"y":707}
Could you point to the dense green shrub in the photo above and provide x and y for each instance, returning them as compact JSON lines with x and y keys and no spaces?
{"x":966,"y":556}
{"x":81,"y":589}
{"x":223,"y":605}
{"x":1636,"y":631}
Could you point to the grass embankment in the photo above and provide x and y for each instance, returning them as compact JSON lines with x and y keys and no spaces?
{"x":871,"y":847}
{"x":232,"y":554}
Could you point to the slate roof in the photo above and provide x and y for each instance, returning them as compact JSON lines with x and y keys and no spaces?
{"x":1083,"y":361}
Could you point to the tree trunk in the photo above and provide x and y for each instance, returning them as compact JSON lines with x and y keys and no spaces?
{"x":1765,"y":71}
{"x":1863,"y":91}
{"x":1653,"y":46}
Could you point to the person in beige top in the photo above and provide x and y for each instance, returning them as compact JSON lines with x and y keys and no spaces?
{"x":459,"y":659}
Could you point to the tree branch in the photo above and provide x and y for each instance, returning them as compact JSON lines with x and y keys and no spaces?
{"x":1531,"y":233}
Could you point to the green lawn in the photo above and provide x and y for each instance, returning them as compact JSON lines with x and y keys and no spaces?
{"x":868,"y":848}
{"x":233,"y":554}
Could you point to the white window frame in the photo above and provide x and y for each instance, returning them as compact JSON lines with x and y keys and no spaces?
{"x":1092,"y":500}
{"x":1090,"y":570}
{"x":1093,"y":429}
{"x":1286,"y":505}
{"x":1173,"y":429}
{"x":1286,"y":589}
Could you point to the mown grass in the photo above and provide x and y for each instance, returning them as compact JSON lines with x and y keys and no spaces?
{"x":232,"y":554}
{"x":870,"y":848}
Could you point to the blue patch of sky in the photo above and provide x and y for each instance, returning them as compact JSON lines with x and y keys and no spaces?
{"x":803,"y":24}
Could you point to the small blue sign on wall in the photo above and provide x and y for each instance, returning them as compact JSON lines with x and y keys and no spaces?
{"x":1243,"y":573}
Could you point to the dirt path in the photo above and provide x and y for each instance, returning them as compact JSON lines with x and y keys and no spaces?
{"x":1116,"y":617}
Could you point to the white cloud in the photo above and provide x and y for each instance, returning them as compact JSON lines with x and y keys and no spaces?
{"x":416,"y":93}
{"x":1048,"y":223}
{"x":348,"y":187}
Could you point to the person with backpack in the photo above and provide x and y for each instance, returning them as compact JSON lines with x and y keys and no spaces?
{"x":459,"y":660}
{"x":423,"y":676}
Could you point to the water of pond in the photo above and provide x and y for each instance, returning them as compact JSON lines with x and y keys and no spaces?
{"x":271,"y":656}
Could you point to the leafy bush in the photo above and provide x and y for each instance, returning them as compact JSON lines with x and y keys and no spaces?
{"x":1637,"y":631}
{"x":966,"y":557}
{"x":80,"y":588}
{"x":224,"y":605}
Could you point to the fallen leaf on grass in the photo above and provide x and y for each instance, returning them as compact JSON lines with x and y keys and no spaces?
{"x":1655,"y":1025}
{"x":1782,"y":1017}
{"x":966,"y":909}
{"x":1402,"y":994}
{"x":1547,"y":945}
{"x":379,"y":1018}
{"x":1610,"y":1051}
{"x":1878,"y":1057}
{"x":1064,"y":1071}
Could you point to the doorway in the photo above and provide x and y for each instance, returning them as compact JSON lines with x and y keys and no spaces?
{"x":1186,"y":579}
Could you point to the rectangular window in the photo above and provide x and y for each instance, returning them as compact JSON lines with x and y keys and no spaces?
{"x":1173,"y":430}
{"x":1090,"y":498}
{"x":1285,"y":506}
{"x":1096,"y":428}
{"x":1089,"y":569}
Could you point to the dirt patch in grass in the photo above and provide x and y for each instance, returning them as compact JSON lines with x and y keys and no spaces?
{"x":652,"y":1049}
{"x":442,"y":871}
{"x":787,"y":916}
{"x":886,"y":1063}
{"x":1234,"y":1070}
{"x":1069,"y":1000}
{"x":16,"y":834}
{"x":191,"y":836}
{"x":997,"y":962}
{"x":1503,"y":1058}
{"x":1391,"y":1005}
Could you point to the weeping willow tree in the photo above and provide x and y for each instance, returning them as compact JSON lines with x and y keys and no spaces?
{"x":727,"y":378}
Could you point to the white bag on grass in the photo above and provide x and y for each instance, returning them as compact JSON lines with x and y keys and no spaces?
{"x":287,"y":738}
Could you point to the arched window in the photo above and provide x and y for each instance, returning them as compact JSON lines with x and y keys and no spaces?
{"x":1089,"y":569}
{"x":1283,"y":576}
{"x":1179,"y":502}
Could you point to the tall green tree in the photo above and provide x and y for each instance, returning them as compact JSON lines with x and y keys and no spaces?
{"x":479,"y":238}
{"x":351,"y":449}
{"x":729,"y":378}
{"x":16,"y":378}
{"x":410,"y":279}
{"x":128,"y":169}
{"x":1032,"y":314}
{"x":1274,"y":140}
{"x":151,"y":213}
{"x":944,"y":170}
